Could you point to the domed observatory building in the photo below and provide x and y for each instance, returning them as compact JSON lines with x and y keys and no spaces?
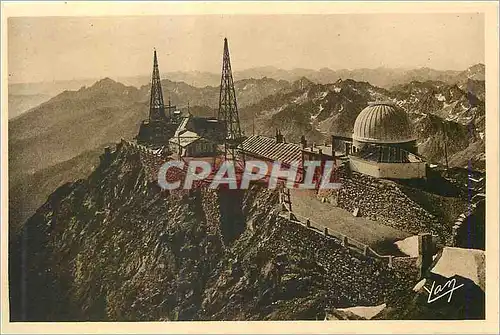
{"x":383,"y":145}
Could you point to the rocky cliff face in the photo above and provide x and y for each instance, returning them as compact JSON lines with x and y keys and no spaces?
{"x":114,"y":247}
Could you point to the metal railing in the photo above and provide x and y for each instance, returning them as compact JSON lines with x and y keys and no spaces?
{"x":342,"y":239}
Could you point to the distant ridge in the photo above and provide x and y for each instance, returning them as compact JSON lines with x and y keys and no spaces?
{"x":381,"y":77}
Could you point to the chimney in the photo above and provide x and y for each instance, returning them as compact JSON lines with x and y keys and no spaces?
{"x":279,"y":136}
{"x":303,"y":142}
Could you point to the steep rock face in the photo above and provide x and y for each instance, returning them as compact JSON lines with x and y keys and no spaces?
{"x":114,"y":247}
{"x":450,"y":113}
{"x":434,"y":132}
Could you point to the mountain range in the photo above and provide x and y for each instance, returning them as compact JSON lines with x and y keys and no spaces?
{"x":381,"y":77}
{"x":60,"y":139}
{"x":24,"y":96}
{"x":438,"y":112}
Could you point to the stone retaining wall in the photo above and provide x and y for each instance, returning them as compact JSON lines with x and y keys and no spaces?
{"x":407,"y":263}
{"x":383,"y":201}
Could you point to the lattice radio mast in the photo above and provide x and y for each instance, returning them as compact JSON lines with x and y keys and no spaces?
{"x":156,"y":104}
{"x":228,"y":109}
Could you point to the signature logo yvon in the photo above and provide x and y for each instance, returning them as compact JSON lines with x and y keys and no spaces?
{"x":187,"y":175}
{"x":437,"y":292}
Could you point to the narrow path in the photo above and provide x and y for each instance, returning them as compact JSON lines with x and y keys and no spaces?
{"x":378,"y":236}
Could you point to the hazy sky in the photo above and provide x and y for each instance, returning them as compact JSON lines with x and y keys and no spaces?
{"x":58,"y":48}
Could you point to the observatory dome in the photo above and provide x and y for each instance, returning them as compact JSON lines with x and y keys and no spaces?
{"x":383,"y":123}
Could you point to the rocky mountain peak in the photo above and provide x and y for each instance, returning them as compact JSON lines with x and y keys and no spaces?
{"x":302,"y":83}
{"x":475,"y":72}
{"x":477,"y":68}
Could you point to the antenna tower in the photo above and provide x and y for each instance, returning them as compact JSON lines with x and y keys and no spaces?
{"x":156,"y":104}
{"x":228,"y":109}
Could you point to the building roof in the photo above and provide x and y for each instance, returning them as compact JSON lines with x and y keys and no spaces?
{"x":270,"y":149}
{"x":184,"y":138}
{"x":208,"y":128}
{"x":182,"y":127}
{"x":205,"y":123}
{"x":382,"y":122}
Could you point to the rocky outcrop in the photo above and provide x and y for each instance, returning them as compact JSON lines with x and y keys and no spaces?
{"x":114,"y":247}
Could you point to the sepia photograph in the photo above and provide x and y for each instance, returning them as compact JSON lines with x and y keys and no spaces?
{"x":249,"y":166}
